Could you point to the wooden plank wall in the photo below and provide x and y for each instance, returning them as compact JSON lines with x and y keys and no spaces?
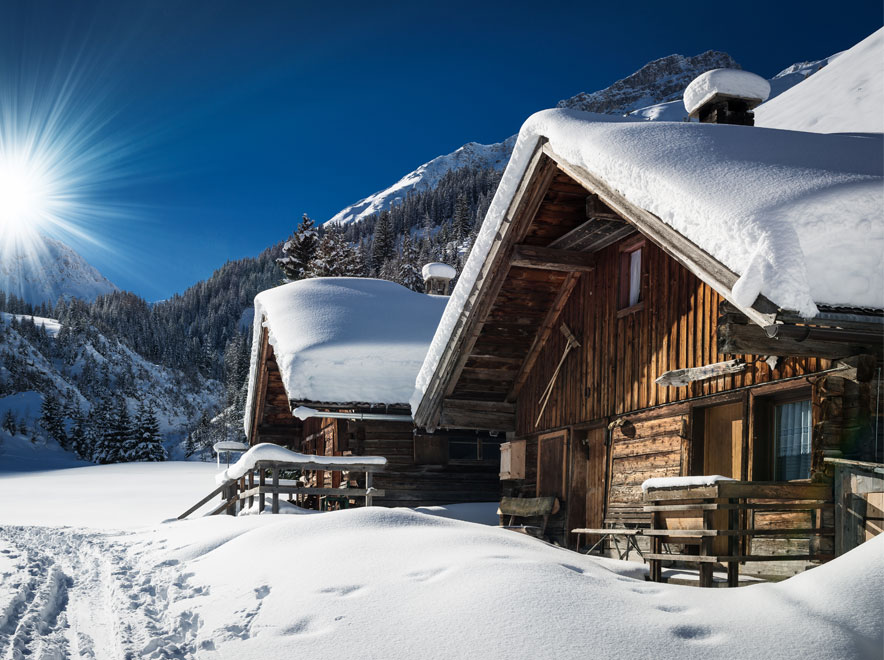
{"x":614,"y":371}
{"x":408,"y":484}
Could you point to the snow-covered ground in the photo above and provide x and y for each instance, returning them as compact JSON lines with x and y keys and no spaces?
{"x":89,"y":570}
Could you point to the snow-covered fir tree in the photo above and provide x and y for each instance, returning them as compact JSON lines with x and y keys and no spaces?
{"x":299,"y":250}
{"x":335,"y":257}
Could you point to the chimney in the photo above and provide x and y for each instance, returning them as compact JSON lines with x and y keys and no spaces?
{"x":726,"y":96}
{"x":436,"y":278}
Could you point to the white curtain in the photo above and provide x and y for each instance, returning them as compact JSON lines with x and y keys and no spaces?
{"x":635,"y":277}
{"x":793,"y":429}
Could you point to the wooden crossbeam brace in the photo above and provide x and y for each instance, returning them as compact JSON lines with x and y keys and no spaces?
{"x":544,"y":258}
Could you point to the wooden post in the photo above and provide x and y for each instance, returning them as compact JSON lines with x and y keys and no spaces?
{"x":262,"y":498}
{"x":251,"y":485}
{"x":656,"y":567}
{"x":706,"y":543}
{"x":231,"y":492}
{"x":275,"y":473}
{"x":368,"y":489}
{"x":733,"y":542}
{"x":242,"y":486}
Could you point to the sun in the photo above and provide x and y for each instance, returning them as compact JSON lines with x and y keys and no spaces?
{"x":26,"y":195}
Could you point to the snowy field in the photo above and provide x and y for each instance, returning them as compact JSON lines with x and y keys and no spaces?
{"x":89,"y":569}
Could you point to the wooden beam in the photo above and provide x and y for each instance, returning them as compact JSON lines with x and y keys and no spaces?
{"x":738,"y":339}
{"x":683,"y":250}
{"x":477,"y":420}
{"x":543,"y":258}
{"x":485,"y":406}
{"x":543,"y":334}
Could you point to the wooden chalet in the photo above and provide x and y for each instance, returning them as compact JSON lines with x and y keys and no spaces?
{"x":581,"y":302}
{"x":350,"y":385}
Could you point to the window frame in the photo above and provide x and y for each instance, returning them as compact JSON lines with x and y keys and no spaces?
{"x":627,"y":249}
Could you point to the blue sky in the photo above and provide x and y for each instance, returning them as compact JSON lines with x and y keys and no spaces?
{"x":222,"y":122}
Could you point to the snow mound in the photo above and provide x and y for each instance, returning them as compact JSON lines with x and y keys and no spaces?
{"x":270,"y":452}
{"x":847,"y":96}
{"x":798,"y":216}
{"x":437,"y":269}
{"x":725,"y":82}
{"x":406,"y":585}
{"x":682,"y":482}
{"x":346,"y":339}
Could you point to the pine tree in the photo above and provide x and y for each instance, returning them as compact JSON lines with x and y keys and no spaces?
{"x":52,"y":419}
{"x":409,"y":269}
{"x":148,"y":445}
{"x":383,"y":245}
{"x":335,"y":257}
{"x":78,"y":439}
{"x":461,"y":223}
{"x":299,"y":250}
{"x":9,"y":423}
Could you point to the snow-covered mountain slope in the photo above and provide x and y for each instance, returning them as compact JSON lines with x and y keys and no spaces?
{"x":427,"y":176}
{"x":47,"y":270}
{"x":847,"y":96}
{"x":84,"y":369}
{"x":656,"y":82}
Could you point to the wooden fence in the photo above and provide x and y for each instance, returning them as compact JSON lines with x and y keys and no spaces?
{"x":264,"y":480}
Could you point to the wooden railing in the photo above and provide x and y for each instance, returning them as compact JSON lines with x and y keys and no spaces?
{"x":721,"y":520}
{"x":264,"y":480}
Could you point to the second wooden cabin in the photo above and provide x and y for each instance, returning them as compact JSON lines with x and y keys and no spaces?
{"x":333,"y":366}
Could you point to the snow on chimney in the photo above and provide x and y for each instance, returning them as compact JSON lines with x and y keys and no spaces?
{"x":436,"y":278}
{"x":726,"y":96}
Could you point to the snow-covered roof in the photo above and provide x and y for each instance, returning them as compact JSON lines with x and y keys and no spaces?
{"x":845,"y":96}
{"x":438,"y":269}
{"x":343,"y":339}
{"x":799,"y":217}
{"x":726,"y":82}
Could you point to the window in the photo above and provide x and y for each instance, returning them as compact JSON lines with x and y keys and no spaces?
{"x":630,"y":295}
{"x":792,"y":430}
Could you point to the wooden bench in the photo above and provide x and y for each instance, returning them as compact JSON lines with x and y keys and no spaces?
{"x":528,"y":507}
{"x":613,"y":533}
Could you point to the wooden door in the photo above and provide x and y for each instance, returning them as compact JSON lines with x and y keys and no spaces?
{"x":586,"y":496}
{"x":551,"y":466}
{"x":723,"y":453}
{"x":723,"y":440}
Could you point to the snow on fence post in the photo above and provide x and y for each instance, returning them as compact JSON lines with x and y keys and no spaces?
{"x":368,"y":488}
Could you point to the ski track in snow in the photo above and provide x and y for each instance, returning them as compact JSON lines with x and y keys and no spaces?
{"x":79,"y":594}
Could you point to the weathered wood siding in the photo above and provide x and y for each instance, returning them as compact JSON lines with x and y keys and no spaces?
{"x":613,"y":373}
{"x":411,"y":485}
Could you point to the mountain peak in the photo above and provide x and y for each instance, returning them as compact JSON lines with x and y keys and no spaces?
{"x":48,"y":271}
{"x":662,"y":80}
